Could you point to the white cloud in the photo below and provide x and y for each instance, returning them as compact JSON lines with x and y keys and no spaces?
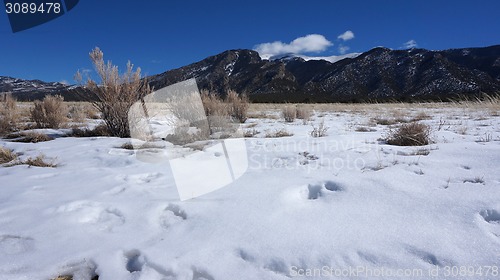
{"x":343,"y":49}
{"x":410,"y":44}
{"x":346,"y":36}
{"x":308,"y":43}
{"x":64,"y":82}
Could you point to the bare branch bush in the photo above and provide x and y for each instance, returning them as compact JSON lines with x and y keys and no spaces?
{"x":115,"y":93}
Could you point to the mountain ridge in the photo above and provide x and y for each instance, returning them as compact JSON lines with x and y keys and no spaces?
{"x":379,"y":74}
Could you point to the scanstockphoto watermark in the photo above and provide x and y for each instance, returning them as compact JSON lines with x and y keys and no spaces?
{"x":481,"y":271}
{"x":308,"y":154}
{"x":357,"y":272}
{"x":305,"y":161}
{"x":310,"y":144}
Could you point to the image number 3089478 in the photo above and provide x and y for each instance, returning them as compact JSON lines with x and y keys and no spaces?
{"x":25,"y":14}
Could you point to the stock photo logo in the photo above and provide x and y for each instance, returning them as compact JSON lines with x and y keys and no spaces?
{"x":169,"y":127}
{"x":26,"y":14}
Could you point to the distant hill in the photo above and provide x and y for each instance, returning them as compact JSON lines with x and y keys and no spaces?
{"x":380,"y":74}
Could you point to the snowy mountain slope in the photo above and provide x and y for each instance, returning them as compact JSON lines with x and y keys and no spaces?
{"x":19,"y":86}
{"x":323,"y":205}
{"x":379,"y":74}
{"x":331,"y":59}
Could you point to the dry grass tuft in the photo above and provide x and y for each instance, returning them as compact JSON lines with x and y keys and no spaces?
{"x":320,"y":130}
{"x":289,"y":113}
{"x":237,"y":106}
{"x":70,"y":277}
{"x":250,"y":133}
{"x":303,"y":113}
{"x":278,"y":133}
{"x":63,"y":277}
{"x":7,"y":155}
{"x":8,"y":114}
{"x":365,"y":129}
{"x":51,"y":112}
{"x":421,"y":116}
{"x":410,"y":134}
{"x":38,"y":161}
{"x":33,"y":137}
{"x":100,"y":130}
{"x":77,"y":113}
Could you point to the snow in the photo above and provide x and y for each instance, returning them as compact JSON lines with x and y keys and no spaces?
{"x":332,"y":59}
{"x":304,"y":204}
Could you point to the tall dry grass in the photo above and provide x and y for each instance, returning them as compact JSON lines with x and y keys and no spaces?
{"x":9,"y":114}
{"x":51,"y":112}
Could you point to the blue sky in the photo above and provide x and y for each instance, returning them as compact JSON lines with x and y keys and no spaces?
{"x":159,"y":35}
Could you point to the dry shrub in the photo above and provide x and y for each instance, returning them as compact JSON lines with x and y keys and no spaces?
{"x":289,"y":113}
{"x":8,"y":114}
{"x":320,"y":130}
{"x":51,"y":112}
{"x":384,"y":121}
{"x":190,"y":123}
{"x":410,"y":134}
{"x":213,"y":104}
{"x":33,"y":137}
{"x":38,"y":161}
{"x":278,"y":133}
{"x":91,"y":112}
{"x":421,"y":116}
{"x":100,"y":130}
{"x":77,"y":113}
{"x":183,"y":135}
{"x":364,"y":129}
{"x":250,"y":133}
{"x":64,"y":277}
{"x":303,"y":113}
{"x":7,"y":155}
{"x":115,"y":93}
{"x":70,"y":277}
{"x":12,"y":160}
{"x":217,"y":112}
{"x":237,"y":106}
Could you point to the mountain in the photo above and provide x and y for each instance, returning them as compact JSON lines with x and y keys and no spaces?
{"x":30,"y":89}
{"x":332,"y":59}
{"x":379,"y":74}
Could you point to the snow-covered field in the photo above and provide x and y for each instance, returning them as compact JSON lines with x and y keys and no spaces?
{"x":343,"y":206}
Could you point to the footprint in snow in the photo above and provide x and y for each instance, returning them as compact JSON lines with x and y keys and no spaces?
{"x":172,"y":214}
{"x":137,"y":264}
{"x":86,"y":212}
{"x":143,"y":178}
{"x":15,"y":244}
{"x":492,"y":218}
{"x":315,"y":191}
{"x":201,"y":274}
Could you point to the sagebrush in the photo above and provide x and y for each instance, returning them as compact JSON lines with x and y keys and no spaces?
{"x":289,"y":113}
{"x":51,"y":112}
{"x":115,"y":93}
{"x":7,"y":155}
{"x":8,"y":114}
{"x":410,"y":134}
